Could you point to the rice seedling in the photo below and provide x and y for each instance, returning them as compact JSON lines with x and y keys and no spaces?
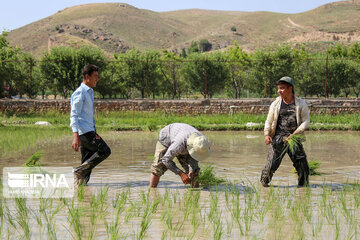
{"x":235,"y":210}
{"x":213,"y":206}
{"x":118,"y":203}
{"x":145,"y":221}
{"x":38,"y":220}
{"x":81,"y":193}
{"x":306,"y":206}
{"x":23,"y":216}
{"x":217,"y":226}
{"x":313,"y":166}
{"x":45,"y":206}
{"x":33,"y":160}
{"x":337,"y":228}
{"x":292,"y":143}
{"x":248,"y":213}
{"x":342,"y":201}
{"x":74,"y":218}
{"x":207,"y":177}
{"x":1,"y":217}
{"x":317,"y":227}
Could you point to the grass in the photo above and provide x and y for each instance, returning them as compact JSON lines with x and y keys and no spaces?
{"x":155,"y":120}
{"x":21,"y":133}
{"x":22,"y":138}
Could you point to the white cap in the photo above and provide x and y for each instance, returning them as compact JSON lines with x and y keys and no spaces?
{"x":198,"y":146}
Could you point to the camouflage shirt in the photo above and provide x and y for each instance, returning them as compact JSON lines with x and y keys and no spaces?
{"x":286,"y":124}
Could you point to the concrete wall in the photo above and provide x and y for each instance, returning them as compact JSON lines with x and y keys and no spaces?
{"x":224,"y":106}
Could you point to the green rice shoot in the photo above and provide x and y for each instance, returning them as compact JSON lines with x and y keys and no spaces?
{"x":208,"y":178}
{"x":313,"y":165}
{"x":294,"y":142}
{"x":33,"y":160}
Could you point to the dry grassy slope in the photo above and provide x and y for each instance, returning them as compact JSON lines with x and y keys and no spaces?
{"x":123,"y":26}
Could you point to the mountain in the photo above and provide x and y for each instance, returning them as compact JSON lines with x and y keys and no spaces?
{"x":117,"y":27}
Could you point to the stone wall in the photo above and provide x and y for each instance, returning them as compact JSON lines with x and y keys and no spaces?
{"x":223,"y":106}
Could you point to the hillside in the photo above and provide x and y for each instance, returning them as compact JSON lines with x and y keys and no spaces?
{"x":117,"y":27}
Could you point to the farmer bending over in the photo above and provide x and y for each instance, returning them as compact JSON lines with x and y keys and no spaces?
{"x":187,"y":144}
{"x":288,"y":115}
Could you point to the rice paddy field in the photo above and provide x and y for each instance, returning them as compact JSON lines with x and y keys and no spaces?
{"x":118,"y":204}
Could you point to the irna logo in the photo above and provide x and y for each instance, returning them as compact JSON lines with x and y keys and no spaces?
{"x":38,"y":182}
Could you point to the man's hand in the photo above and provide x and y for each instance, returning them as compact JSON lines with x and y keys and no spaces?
{"x":184,"y":178}
{"x":191,"y":175}
{"x":268,"y":140}
{"x":193,"y":179}
{"x":287,"y":138}
{"x":76,"y":142}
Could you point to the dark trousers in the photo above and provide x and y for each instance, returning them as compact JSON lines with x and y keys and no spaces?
{"x":93,"y":151}
{"x":275,"y":156}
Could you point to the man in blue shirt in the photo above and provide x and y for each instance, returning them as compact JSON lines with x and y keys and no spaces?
{"x":82,"y":122}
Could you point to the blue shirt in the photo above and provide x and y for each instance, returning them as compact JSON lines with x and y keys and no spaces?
{"x":82,"y":110}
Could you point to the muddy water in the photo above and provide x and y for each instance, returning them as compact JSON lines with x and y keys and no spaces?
{"x":236,"y":156}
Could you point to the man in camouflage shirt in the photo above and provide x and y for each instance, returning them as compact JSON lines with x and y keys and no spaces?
{"x":288,"y":115}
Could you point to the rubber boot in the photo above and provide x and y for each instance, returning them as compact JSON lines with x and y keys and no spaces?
{"x":82,"y":173}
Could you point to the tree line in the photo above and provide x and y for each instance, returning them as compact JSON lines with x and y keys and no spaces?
{"x":233,"y":73}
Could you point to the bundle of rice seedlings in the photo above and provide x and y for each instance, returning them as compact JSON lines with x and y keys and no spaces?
{"x":293,"y":142}
{"x":33,"y":160}
{"x":208,"y":178}
{"x":313,"y":165}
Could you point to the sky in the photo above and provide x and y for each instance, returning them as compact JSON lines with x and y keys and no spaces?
{"x":18,"y":13}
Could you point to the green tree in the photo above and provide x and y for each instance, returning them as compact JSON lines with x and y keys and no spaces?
{"x":355,"y":51}
{"x":269,"y":67}
{"x":259,"y":74}
{"x":338,"y":52}
{"x":114,"y":80}
{"x":9,"y":71}
{"x":355,"y":73}
{"x":194,"y":48}
{"x":142,"y":71}
{"x":239,"y":63}
{"x":207,"y":73}
{"x":317,"y":71}
{"x":204,"y":45}
{"x":28,"y":81}
{"x":339,"y":78}
{"x":60,"y":70}
{"x":170,"y":69}
{"x":302,"y":72}
{"x":183,"y":53}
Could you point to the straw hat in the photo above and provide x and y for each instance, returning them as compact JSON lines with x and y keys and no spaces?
{"x":198,"y":146}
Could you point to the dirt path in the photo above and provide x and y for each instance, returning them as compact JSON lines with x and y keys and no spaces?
{"x":295,"y":24}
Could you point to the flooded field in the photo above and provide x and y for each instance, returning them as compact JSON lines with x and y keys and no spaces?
{"x":117,"y":203}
